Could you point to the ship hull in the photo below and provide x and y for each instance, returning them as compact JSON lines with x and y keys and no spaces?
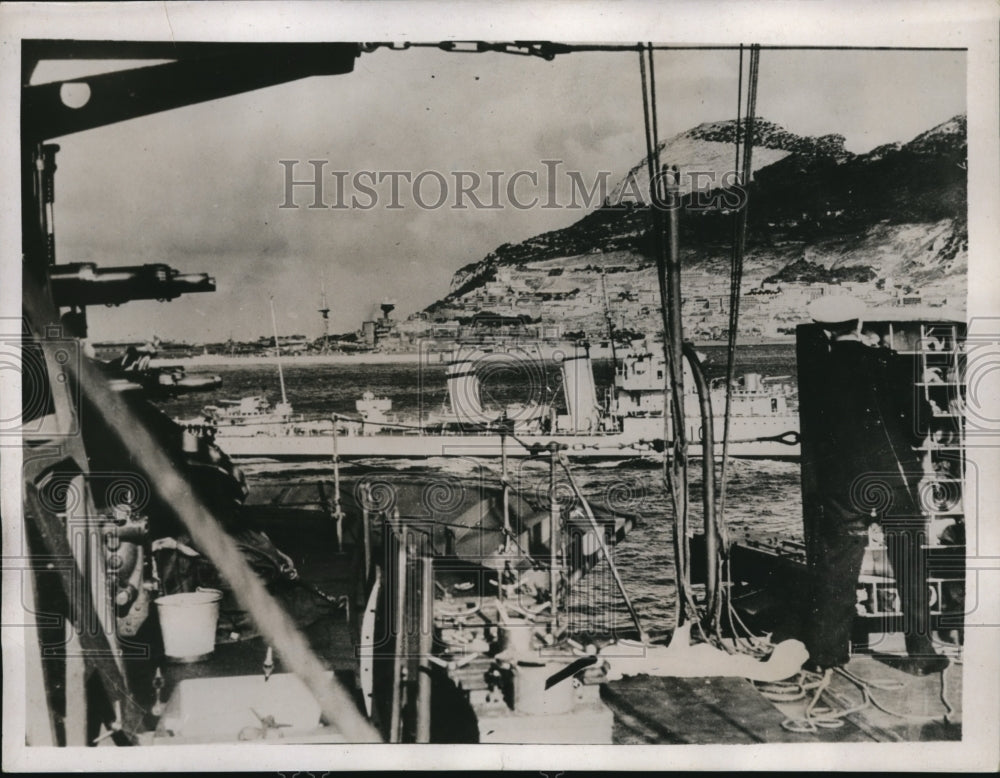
{"x":748,"y":439}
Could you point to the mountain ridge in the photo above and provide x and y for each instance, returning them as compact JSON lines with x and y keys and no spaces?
{"x":818,"y":214}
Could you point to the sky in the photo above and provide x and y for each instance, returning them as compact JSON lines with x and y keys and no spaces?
{"x":200,"y":187}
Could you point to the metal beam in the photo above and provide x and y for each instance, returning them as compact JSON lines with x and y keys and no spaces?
{"x":55,"y":49}
{"x":194,"y":78}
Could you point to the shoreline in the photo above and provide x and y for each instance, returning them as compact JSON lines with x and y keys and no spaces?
{"x":223,"y":360}
{"x":383,"y":358}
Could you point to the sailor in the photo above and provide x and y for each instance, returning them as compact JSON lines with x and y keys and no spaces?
{"x":867,"y":472}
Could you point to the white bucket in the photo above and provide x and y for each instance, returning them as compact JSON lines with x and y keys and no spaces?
{"x":188,"y":622}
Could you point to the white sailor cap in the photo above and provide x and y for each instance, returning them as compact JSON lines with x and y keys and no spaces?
{"x":836,"y":309}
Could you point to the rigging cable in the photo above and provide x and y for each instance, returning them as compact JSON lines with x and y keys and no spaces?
{"x":650,"y":169}
{"x":744,"y":165}
{"x":736,"y":276}
{"x":663,"y":184}
{"x":739,"y":113}
{"x":713,"y":593}
{"x":673,"y":347}
{"x":657,"y":240}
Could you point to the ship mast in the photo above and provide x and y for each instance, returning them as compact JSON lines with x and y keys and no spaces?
{"x":277,"y":354}
{"x":608,"y":318}
{"x":324,"y":311}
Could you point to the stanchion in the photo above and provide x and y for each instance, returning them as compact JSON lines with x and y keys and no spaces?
{"x":395,"y":719}
{"x":426,"y":647}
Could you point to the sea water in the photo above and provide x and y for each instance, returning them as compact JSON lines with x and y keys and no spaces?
{"x":762,"y":497}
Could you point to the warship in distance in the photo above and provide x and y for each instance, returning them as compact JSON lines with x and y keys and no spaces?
{"x":489,"y":572}
{"x":628,"y":421}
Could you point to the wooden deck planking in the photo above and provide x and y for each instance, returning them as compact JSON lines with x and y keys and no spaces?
{"x":692,"y":710}
{"x":730,"y":710}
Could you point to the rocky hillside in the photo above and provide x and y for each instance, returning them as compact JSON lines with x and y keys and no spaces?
{"x":887,"y":224}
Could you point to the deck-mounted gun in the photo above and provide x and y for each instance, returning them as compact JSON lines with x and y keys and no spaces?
{"x":84,"y":283}
{"x":85,"y":666}
{"x":79,"y":284}
{"x":132,"y":372}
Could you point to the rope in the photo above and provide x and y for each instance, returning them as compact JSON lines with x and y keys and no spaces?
{"x":652,"y":110}
{"x":748,"y":641}
{"x":685,"y":600}
{"x":645,"y":116}
{"x":816,"y":717}
{"x":789,"y":691}
{"x":736,"y":274}
{"x":893,"y":685}
{"x":739,"y":112}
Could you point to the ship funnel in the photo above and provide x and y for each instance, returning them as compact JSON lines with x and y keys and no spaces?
{"x":581,"y":394}
{"x":464,"y":389}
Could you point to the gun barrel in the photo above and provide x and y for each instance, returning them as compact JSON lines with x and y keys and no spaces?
{"x":84,"y":283}
{"x":198,"y":383}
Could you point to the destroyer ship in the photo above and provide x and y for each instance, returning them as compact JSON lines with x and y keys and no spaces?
{"x":398,"y":610}
{"x":628,"y":421}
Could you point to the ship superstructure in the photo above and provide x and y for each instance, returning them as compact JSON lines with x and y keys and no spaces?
{"x":369,"y":607}
{"x":625,"y":420}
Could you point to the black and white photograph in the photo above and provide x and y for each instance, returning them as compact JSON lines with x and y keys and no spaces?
{"x":549,"y":387}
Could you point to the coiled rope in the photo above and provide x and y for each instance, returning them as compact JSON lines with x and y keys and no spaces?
{"x":816,"y":716}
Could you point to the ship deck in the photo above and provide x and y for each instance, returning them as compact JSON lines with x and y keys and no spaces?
{"x":719,"y":710}
{"x":646,"y":710}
